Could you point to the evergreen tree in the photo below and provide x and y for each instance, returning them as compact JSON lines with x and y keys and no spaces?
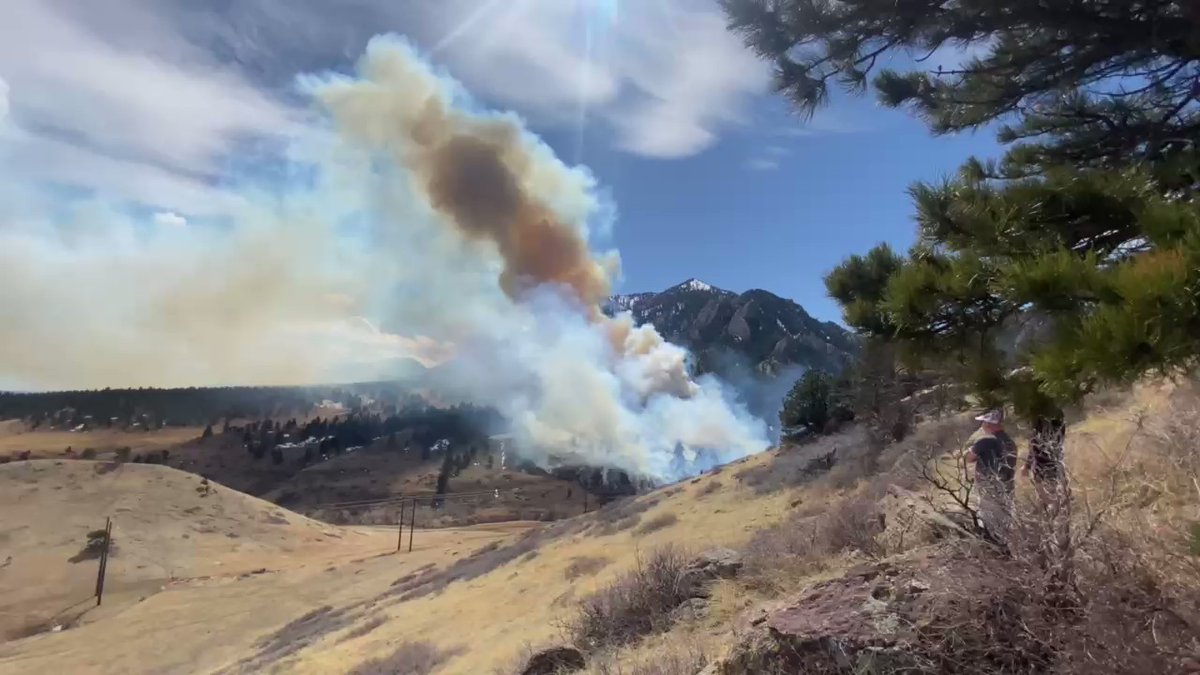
{"x":1087,"y":229}
{"x":1103,"y":261}
{"x":1084,"y":83}
{"x":811,"y":403}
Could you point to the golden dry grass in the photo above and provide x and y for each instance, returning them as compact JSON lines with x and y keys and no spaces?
{"x":490,"y":621}
{"x":213,"y":624}
{"x":15,"y":439}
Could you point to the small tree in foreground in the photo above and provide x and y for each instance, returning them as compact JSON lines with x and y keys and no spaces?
{"x":813,"y":402}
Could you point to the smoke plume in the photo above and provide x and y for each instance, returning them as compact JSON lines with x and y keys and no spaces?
{"x":409,"y":224}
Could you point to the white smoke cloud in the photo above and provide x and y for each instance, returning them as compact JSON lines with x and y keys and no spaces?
{"x":409,"y":226}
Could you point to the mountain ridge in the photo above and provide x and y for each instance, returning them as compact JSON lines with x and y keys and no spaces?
{"x":765,"y":331}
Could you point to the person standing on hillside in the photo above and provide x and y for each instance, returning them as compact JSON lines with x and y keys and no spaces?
{"x":994,"y":454}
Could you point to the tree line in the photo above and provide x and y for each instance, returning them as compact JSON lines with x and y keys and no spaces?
{"x":421,"y":427}
{"x":153,"y":408}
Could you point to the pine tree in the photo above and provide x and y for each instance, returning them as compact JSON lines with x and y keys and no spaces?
{"x":1088,"y":228}
{"x":1090,"y":84}
{"x":812,"y":403}
{"x":1103,"y":260}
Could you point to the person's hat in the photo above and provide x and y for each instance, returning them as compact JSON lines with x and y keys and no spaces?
{"x":994,"y":416}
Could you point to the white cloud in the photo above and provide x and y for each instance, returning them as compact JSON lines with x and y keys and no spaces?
{"x":144,"y":101}
{"x":140,"y":102}
{"x":768,"y":158}
{"x":169,"y":219}
{"x":665,"y":76}
{"x":693,"y":76}
{"x":3,"y":100}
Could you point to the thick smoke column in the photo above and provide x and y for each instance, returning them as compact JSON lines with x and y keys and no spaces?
{"x":412,"y":225}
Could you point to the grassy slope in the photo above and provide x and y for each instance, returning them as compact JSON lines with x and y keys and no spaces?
{"x":214,"y":625}
{"x":14,"y":439}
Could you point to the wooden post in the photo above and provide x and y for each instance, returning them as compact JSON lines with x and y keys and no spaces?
{"x":400,"y":533}
{"x":412,"y":522}
{"x":103,"y":561}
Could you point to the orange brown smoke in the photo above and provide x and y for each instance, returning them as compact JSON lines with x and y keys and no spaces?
{"x":482,"y":173}
{"x":472,"y":178}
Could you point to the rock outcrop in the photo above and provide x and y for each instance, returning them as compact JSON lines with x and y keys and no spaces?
{"x":921,"y":613}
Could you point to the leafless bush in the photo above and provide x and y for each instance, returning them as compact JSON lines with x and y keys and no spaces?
{"x":710,"y":487}
{"x":584,"y":566}
{"x":1099,"y":579}
{"x":657,"y":523}
{"x":687,"y":658}
{"x":853,"y":524}
{"x":639,"y":603}
{"x":410,"y":658}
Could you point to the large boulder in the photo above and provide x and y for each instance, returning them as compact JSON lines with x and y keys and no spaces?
{"x":555,"y":660}
{"x":717,"y":563}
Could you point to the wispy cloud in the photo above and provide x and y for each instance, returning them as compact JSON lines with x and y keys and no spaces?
{"x":763,"y":164}
{"x":144,"y":102}
{"x":768,"y":158}
{"x":120,"y":112}
{"x":665,"y":77}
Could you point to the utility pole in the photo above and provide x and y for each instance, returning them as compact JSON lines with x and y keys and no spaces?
{"x":400,"y":533}
{"x":103,"y":561}
{"x":412,"y":523}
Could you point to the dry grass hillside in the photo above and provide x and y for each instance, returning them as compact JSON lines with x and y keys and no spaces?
{"x":481,"y":599}
{"x":16,"y":438}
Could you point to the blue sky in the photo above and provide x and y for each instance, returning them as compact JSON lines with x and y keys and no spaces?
{"x":147,"y":105}
{"x":724,"y":218}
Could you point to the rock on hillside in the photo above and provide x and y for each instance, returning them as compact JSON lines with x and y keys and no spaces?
{"x":929,"y":611}
{"x":766,"y":330}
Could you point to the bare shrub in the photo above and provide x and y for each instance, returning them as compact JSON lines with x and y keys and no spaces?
{"x":710,"y":487}
{"x":1098,"y":575}
{"x":584,"y":566}
{"x":852,"y":524}
{"x":637,"y":604}
{"x":410,"y":658}
{"x":657,"y":523}
{"x":675,"y":658}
